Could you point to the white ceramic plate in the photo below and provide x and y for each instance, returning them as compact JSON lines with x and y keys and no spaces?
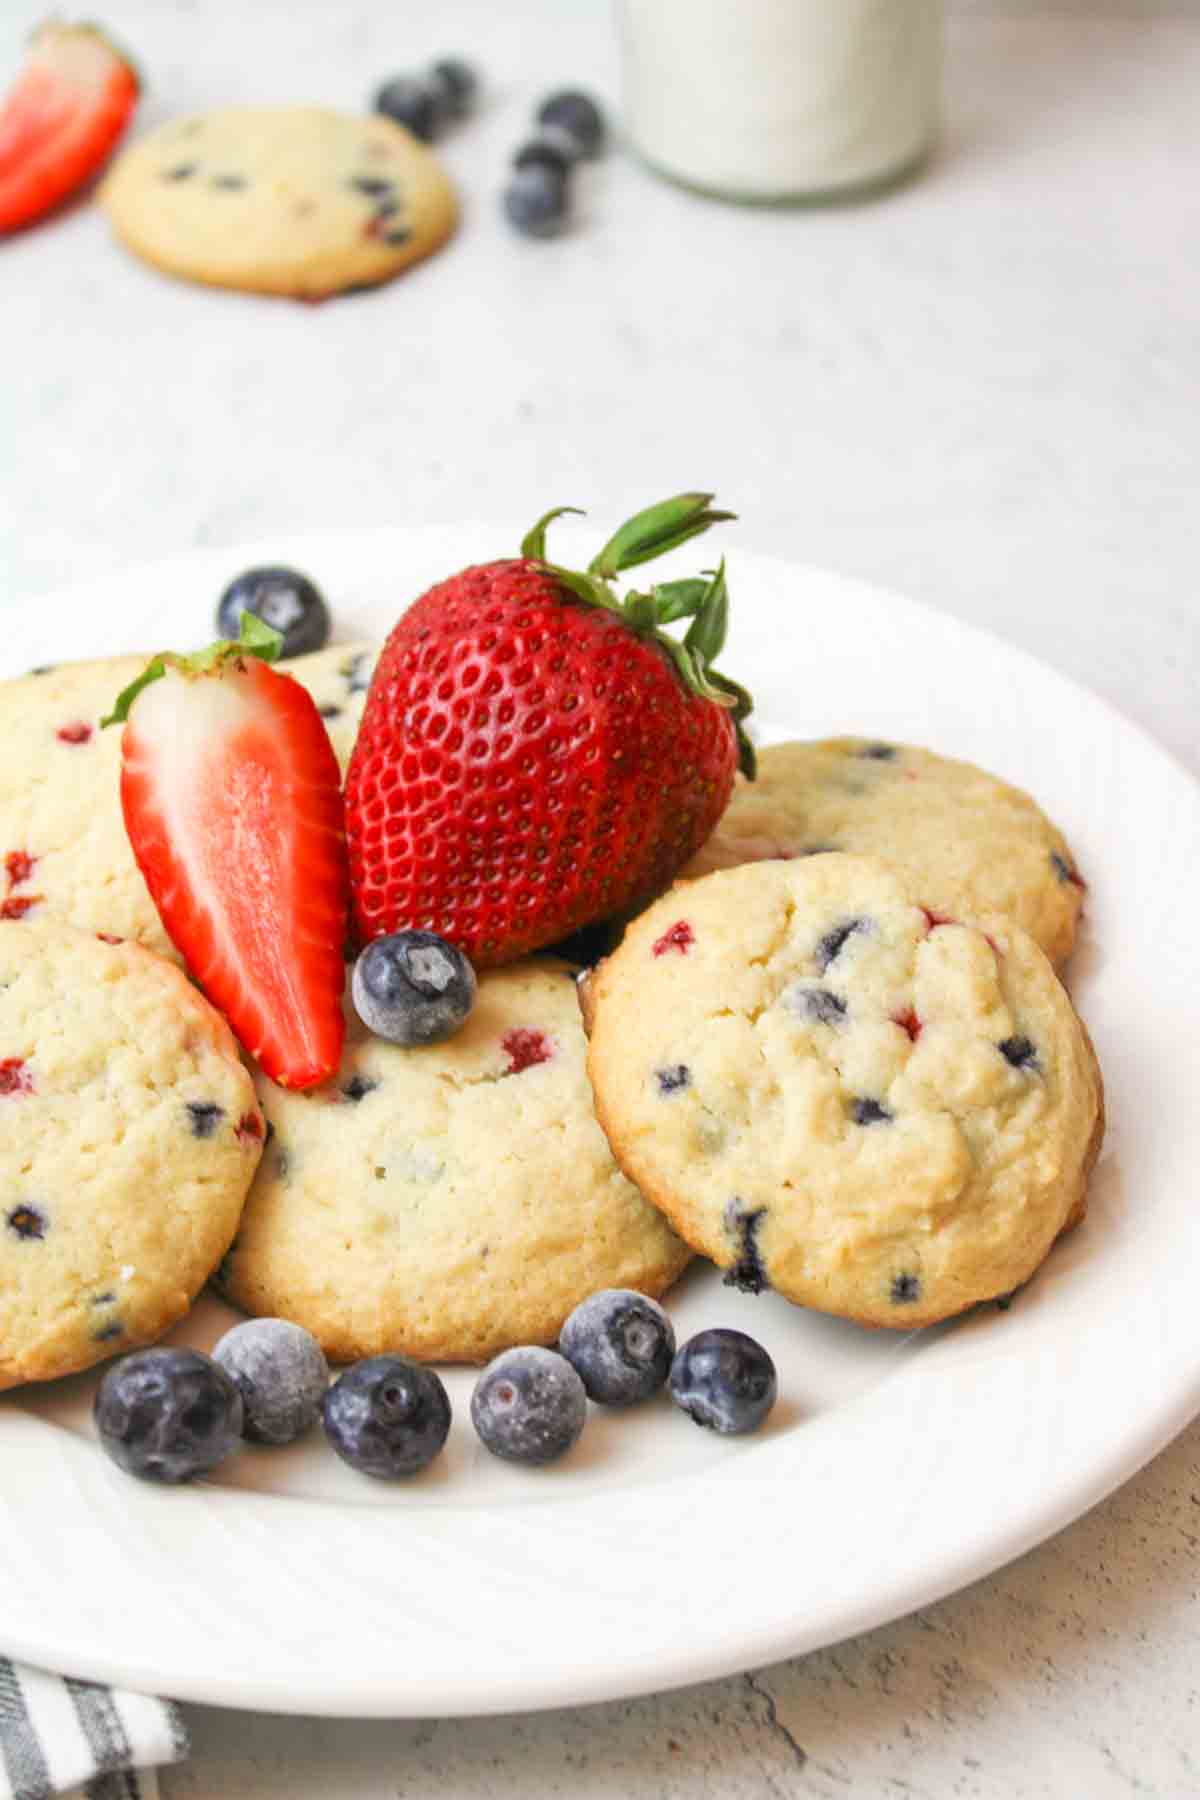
{"x":894,"y":1469}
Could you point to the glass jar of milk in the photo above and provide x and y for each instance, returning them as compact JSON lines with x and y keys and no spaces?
{"x":777,"y":100}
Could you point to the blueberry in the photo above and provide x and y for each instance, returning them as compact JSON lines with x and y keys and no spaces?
{"x":673,"y":1078}
{"x":905,"y":1289}
{"x":879,"y":752}
{"x":387,"y":1416}
{"x":820,"y":1005}
{"x":543,"y":153}
{"x":204,"y":1117}
{"x":529,"y":1405}
{"x":27,"y":1222}
{"x":620,"y":1344}
{"x":577,"y":113}
{"x":166,"y":1415}
{"x":870,"y":1112}
{"x":1020,"y":1052}
{"x":281,"y":1373}
{"x":413,"y":988}
{"x":724,"y":1380}
{"x":535,"y":201}
{"x":457,"y":83}
{"x":748,"y":1273}
{"x":279,"y":597}
{"x":832,"y":944}
{"x":412,"y":103}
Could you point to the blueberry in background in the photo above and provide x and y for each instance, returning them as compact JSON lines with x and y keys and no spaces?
{"x":724,"y":1380}
{"x":535,"y":200}
{"x":546,"y":153}
{"x":166,"y":1415}
{"x":411,"y":102}
{"x":281,"y":598}
{"x":620,"y":1344}
{"x":529,"y":1406}
{"x":576,"y":113}
{"x":387,"y":1417}
{"x":458,"y":85}
{"x":281,"y":1373}
{"x":412,"y":987}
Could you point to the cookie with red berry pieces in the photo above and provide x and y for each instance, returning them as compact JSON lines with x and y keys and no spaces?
{"x":449,"y":1201}
{"x":298,"y":201}
{"x":974,"y":841}
{"x":129,"y":1134}
{"x":338,"y":679}
{"x":64,"y":850}
{"x":839,"y":1093}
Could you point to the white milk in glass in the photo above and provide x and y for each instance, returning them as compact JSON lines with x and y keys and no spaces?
{"x":781,"y":99}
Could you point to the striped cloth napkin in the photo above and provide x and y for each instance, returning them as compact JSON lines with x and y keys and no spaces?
{"x":59,"y":1736}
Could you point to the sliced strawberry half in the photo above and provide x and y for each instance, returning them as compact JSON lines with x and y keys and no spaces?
{"x":62,"y":119}
{"x":232,"y":801}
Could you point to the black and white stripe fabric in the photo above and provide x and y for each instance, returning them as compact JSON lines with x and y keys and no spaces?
{"x":59,"y":1736}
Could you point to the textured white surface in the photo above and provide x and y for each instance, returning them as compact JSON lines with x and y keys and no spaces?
{"x":983,"y":391}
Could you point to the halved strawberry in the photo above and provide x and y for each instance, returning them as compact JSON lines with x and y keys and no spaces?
{"x":233,"y":806}
{"x":62,"y":119}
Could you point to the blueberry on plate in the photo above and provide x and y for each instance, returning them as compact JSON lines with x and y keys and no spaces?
{"x":529,"y":1406}
{"x":458,"y":85}
{"x":535,"y":200}
{"x":577,"y":113}
{"x":387,"y":1416}
{"x":281,"y":1373}
{"x":412,"y":987}
{"x":166,"y":1415}
{"x":413,"y":103}
{"x":620,"y":1344}
{"x":724,"y":1380}
{"x":281,"y":598}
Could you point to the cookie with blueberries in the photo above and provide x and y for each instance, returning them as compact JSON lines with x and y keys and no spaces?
{"x":837,"y":1091}
{"x":64,"y":852}
{"x":129,"y":1135}
{"x":297,"y":201}
{"x":445,"y":1200}
{"x":973,"y":840}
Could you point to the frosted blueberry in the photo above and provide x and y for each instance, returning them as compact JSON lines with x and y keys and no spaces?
{"x":413,"y":988}
{"x":529,"y":1405}
{"x":281,"y":1373}
{"x":620,"y":1344}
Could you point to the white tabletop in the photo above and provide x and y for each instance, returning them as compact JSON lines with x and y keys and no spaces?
{"x":983,"y":390}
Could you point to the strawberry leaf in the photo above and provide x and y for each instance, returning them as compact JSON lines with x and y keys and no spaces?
{"x":255,"y":638}
{"x":533,"y":544}
{"x":706,"y":634}
{"x":653,"y":532}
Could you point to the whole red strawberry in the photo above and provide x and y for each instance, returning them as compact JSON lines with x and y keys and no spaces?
{"x":535,"y":753}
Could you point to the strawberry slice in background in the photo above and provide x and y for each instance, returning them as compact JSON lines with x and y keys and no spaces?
{"x":232,"y":801}
{"x":62,"y":119}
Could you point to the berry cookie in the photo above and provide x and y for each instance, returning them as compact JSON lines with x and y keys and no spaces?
{"x":449,"y":1201}
{"x":290,"y":200}
{"x":129,"y":1134}
{"x":64,"y":853}
{"x":973,"y":841}
{"x":840,"y":1093}
{"x":337,"y":679}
